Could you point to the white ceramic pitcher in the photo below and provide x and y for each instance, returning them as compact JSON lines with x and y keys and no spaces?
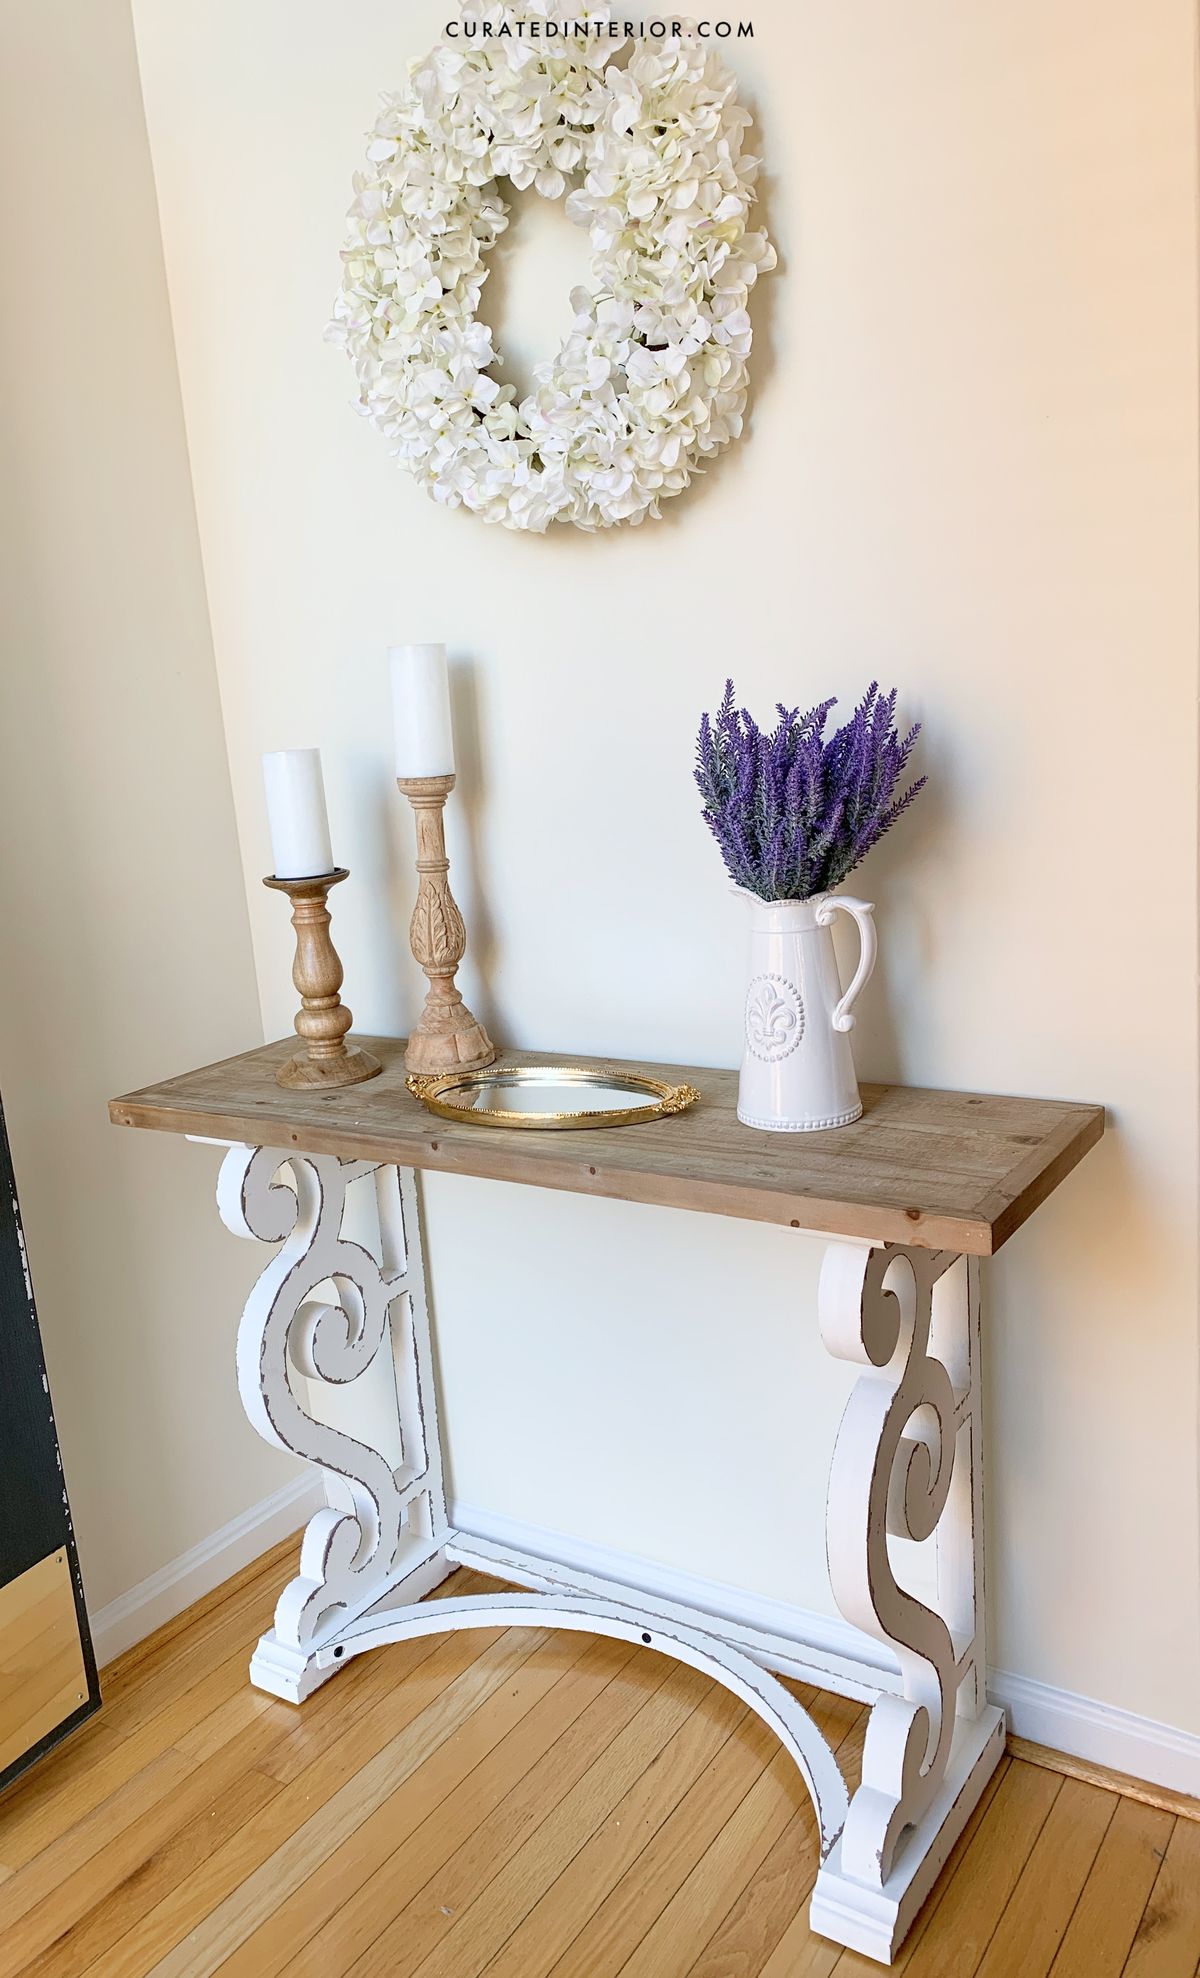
{"x":798,"y":1070}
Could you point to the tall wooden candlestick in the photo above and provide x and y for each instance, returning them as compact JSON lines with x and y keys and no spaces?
{"x":323,"y":1018}
{"x":447,"y":1037}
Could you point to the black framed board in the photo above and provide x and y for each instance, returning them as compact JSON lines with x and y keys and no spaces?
{"x":48,"y":1682}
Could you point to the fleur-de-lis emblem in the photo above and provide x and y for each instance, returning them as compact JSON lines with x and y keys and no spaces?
{"x":774,"y":1017}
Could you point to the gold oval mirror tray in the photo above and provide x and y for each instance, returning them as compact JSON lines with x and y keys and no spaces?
{"x":549,"y":1096}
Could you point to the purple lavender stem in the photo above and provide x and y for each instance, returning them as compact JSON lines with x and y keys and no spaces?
{"x":792,"y":813}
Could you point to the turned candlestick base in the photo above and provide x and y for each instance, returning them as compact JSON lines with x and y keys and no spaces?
{"x":323,"y":1019}
{"x":447,"y":1037}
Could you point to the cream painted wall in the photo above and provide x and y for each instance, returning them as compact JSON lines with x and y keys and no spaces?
{"x":971,"y":467}
{"x":126,"y":945}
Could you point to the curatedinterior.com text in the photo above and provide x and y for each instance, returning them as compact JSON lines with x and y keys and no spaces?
{"x":539,"y":29}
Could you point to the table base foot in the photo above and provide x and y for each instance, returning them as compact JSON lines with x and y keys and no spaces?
{"x":292,"y":1673}
{"x":874,"y":1922}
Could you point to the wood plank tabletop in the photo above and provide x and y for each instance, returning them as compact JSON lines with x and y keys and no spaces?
{"x":942,"y":1170}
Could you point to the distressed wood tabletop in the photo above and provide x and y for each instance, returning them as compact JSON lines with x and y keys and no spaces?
{"x":942,"y":1170}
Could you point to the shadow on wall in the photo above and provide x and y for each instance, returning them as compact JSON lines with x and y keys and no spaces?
{"x":907,"y":916}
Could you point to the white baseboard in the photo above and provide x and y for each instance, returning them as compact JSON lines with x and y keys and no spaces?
{"x":1099,"y":1732}
{"x":1078,"y":1725}
{"x":752,"y":1610}
{"x":136,"y":1614}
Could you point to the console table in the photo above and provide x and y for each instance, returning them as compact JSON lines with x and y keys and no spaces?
{"x":909,"y":1198}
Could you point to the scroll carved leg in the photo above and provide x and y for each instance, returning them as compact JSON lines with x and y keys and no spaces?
{"x":322,"y":1311}
{"x":907,"y":1464}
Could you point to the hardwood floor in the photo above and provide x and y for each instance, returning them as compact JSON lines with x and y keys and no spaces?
{"x":529,"y":1804}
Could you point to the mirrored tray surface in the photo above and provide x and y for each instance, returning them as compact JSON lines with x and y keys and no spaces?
{"x":548,"y":1096}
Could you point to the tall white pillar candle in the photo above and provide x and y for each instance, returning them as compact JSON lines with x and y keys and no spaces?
{"x":296,"y":813}
{"x":421,"y":707}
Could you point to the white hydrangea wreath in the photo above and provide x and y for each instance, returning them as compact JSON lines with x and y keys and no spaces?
{"x":652,"y":377}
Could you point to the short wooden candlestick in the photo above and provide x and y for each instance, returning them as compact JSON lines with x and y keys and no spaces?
{"x":323,"y":1018}
{"x":447,"y":1037}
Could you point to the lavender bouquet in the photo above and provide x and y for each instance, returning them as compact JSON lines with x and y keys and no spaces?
{"x":794,"y":814}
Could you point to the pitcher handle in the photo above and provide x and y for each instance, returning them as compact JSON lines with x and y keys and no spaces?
{"x":861,"y":912}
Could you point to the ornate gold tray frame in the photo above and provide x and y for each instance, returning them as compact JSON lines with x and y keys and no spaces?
{"x":436,"y":1091}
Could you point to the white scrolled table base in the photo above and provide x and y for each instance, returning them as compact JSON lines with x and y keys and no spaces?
{"x":907,"y":1463}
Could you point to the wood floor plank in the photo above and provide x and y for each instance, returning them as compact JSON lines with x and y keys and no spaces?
{"x":529,"y":1805}
{"x":782,"y":1883}
{"x":751,"y":1929}
{"x":482,"y":1925}
{"x":37,"y":1895}
{"x":45,"y":1795}
{"x":959,"y":1931}
{"x":799,"y":1954}
{"x":185,"y":1688}
{"x":272,"y":1946}
{"x":683,"y":1928}
{"x":1167,"y":1944}
{"x":616,"y":1927}
{"x":430,"y":1879}
{"x":257,"y":1733}
{"x":270,"y":1736}
{"x":1037,"y":1914}
{"x":65,"y":1891}
{"x":66,"y":1881}
{"x":1108,"y":1913}
{"x":333,"y":1710}
{"x":98,"y":1767}
{"x":173,"y":1693}
{"x":612,"y":1933}
{"x":202,"y":1892}
{"x":620,"y":1841}
{"x":257,"y":1894}
{"x":85,"y":1939}
{"x":298,"y":1734}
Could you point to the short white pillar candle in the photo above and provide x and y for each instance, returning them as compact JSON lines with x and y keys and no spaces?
{"x":296,"y":813}
{"x":421,"y":707}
